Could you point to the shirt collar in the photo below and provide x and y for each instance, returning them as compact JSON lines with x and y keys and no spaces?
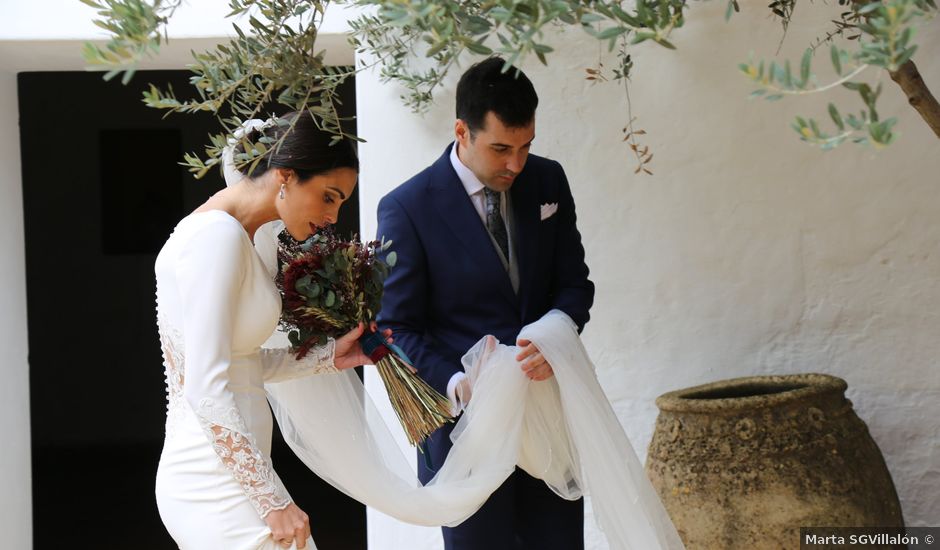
{"x":470,"y":182}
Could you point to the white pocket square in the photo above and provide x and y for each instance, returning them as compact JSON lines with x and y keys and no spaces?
{"x":548,"y":210}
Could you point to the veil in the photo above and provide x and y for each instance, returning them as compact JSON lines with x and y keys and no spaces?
{"x":562,"y":431}
{"x":265,"y":238}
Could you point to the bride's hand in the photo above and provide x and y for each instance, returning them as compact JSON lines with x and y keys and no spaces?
{"x":289,"y":526}
{"x":349,"y":352}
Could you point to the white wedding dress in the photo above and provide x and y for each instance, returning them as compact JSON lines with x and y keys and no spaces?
{"x":217,"y":304}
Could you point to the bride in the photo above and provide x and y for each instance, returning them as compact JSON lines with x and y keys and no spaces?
{"x":217,"y":304}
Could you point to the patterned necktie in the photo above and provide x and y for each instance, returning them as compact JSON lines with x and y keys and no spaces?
{"x":494,"y":220}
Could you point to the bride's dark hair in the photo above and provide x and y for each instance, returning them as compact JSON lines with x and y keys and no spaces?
{"x":306,"y":148}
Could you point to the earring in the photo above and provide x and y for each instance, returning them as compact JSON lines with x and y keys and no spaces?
{"x":281,"y":194}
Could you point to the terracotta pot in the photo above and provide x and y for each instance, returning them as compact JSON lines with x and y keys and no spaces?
{"x":744,"y":463}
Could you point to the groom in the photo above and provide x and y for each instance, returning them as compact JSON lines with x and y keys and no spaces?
{"x":487,"y":243}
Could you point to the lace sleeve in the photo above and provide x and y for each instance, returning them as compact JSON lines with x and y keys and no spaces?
{"x":279,"y":364}
{"x":238,"y":451}
{"x":210,"y":271}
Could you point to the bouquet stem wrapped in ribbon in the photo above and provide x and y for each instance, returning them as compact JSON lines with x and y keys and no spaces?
{"x":420,"y":408}
{"x":328,"y":286}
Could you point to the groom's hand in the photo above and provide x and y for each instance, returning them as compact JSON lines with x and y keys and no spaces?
{"x":534,"y":364}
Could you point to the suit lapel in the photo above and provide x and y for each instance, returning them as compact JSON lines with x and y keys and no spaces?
{"x":454,"y":207}
{"x":524,"y":193}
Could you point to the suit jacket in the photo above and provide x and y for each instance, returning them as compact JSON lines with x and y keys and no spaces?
{"x":449,"y":287}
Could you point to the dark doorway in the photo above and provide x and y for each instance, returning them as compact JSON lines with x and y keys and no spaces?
{"x":102,"y":191}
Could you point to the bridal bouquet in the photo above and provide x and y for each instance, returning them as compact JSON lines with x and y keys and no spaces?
{"x":328,"y":286}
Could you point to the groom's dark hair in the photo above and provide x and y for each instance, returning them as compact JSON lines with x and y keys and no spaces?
{"x":487,"y":87}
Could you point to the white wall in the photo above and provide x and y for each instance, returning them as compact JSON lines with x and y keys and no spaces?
{"x":71,"y":19}
{"x":748,"y":252}
{"x":48,"y":35}
{"x":15,"y":502}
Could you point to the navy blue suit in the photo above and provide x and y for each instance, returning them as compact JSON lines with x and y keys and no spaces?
{"x":450,"y":288}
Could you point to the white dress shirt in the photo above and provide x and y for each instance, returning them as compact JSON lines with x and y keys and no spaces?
{"x":474,"y":187}
{"x":470,"y":182}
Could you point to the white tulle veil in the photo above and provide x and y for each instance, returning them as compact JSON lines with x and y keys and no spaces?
{"x":265,"y":238}
{"x":562,"y":430}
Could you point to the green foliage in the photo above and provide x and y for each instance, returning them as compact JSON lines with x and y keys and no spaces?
{"x":328,"y":285}
{"x":511,"y":28}
{"x":514,"y":29}
{"x":273,"y":60}
{"x":136,"y":26}
{"x":885,"y":39}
